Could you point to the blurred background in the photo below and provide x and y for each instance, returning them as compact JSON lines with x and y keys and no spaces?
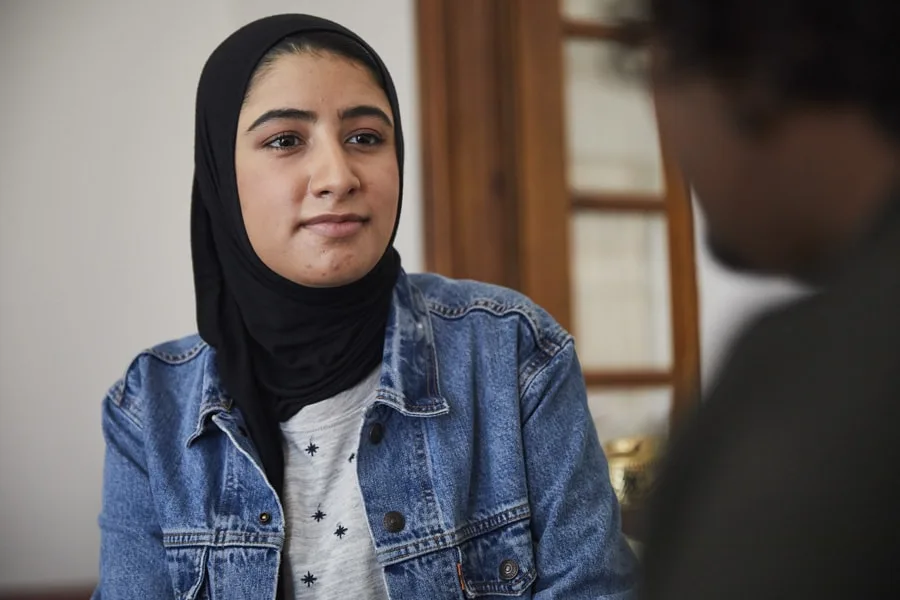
{"x":531,"y":162}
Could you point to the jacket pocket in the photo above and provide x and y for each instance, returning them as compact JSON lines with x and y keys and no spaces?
{"x":499,"y":563}
{"x":187,"y":566}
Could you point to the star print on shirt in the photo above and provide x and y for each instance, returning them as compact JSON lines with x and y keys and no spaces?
{"x":312,"y":449}
{"x":340,"y":532}
{"x":309,"y":579}
{"x":319,"y":515}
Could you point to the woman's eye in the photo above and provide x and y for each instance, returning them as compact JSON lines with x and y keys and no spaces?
{"x":364,"y":139}
{"x":284,"y":141}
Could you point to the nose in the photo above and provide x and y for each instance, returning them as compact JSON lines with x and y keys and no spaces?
{"x":332,"y":174}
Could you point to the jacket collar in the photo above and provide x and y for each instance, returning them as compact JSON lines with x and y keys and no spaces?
{"x":214,"y":400}
{"x":409,"y":372}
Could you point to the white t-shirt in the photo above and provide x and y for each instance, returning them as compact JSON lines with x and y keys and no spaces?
{"x":330,"y":553}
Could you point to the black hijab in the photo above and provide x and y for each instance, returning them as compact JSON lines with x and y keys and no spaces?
{"x":279,"y":346}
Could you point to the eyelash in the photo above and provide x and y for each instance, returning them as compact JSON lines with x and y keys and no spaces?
{"x":281,"y":137}
{"x":374,"y":140}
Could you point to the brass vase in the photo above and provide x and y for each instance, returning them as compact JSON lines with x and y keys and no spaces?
{"x":632,"y":465}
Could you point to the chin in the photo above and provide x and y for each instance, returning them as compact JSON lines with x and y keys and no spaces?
{"x":330,"y":276}
{"x":330,"y":280}
{"x":732,"y":257}
{"x":729,"y":256}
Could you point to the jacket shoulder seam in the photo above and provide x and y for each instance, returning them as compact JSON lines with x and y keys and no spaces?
{"x":545,"y":343}
{"x":175,"y":359}
{"x":120,"y":393}
{"x":538,"y":363}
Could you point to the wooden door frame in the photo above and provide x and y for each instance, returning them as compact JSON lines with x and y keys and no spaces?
{"x":470,"y":210}
{"x":495,"y":198}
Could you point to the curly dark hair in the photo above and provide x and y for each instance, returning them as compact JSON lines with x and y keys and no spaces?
{"x":826,"y":52}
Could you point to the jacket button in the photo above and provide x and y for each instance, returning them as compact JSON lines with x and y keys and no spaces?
{"x":265,"y":518}
{"x":509,"y":569}
{"x":376,"y":433}
{"x":394,"y":522}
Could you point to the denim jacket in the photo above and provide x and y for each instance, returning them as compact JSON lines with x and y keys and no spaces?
{"x":487,"y":479}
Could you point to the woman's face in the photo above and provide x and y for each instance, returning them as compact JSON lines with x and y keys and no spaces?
{"x":317,"y":171}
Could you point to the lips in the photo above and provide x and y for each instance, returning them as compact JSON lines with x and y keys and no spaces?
{"x":334,"y":218}
{"x":335,"y":225}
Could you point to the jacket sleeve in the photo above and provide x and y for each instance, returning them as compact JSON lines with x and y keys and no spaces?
{"x":580,"y":550}
{"x":132,"y":556}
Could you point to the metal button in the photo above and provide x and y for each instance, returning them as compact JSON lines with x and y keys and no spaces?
{"x":265,"y":518}
{"x":394,"y":522}
{"x":376,"y":433}
{"x":509,"y":569}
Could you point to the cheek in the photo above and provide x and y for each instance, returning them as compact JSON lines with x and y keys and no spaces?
{"x":267,"y":201}
{"x":707,"y":150}
{"x":677,"y":131}
{"x":384,"y":188}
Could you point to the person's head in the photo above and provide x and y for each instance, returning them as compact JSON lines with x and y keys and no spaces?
{"x":784,"y":116}
{"x":298,"y":162}
{"x":316,"y":161}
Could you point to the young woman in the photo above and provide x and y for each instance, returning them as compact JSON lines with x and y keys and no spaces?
{"x":340,"y":429}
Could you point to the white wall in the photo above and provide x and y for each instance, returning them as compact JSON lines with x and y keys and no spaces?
{"x":96,"y":115}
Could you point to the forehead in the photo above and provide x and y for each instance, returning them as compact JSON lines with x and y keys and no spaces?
{"x":315,"y":78}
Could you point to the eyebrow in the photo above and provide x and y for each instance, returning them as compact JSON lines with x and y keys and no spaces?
{"x":363,"y":110}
